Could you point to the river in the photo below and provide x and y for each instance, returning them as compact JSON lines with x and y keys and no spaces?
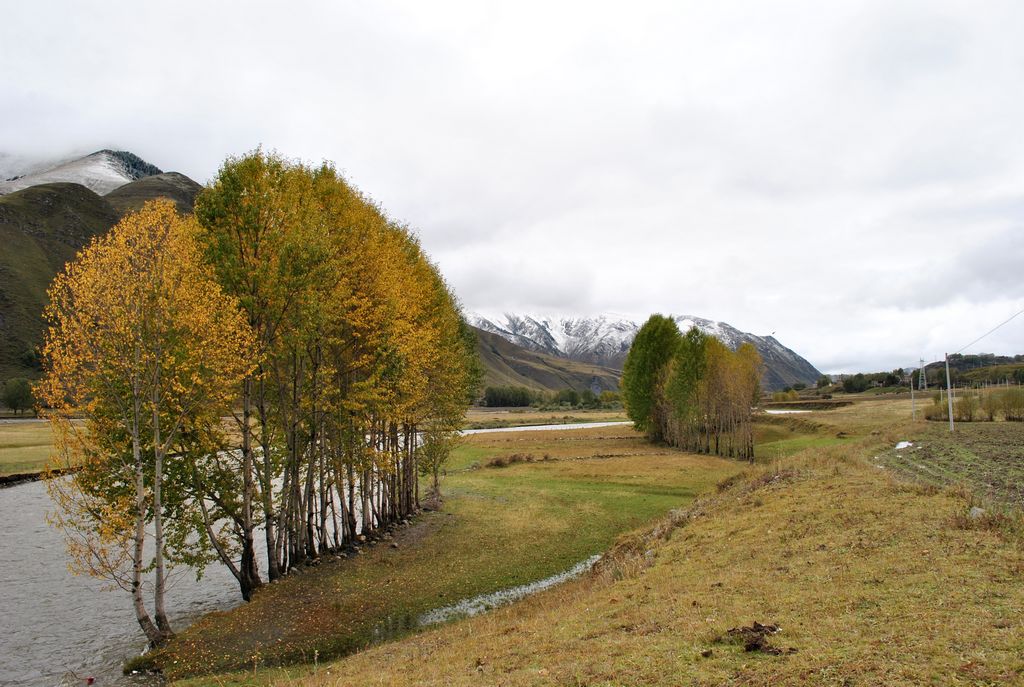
{"x":55,"y":625}
{"x":57,"y":628}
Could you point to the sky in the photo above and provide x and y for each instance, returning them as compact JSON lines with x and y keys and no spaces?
{"x":847,"y":175}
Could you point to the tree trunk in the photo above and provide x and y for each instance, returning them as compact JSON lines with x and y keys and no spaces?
{"x":249,"y":579}
{"x":153,"y":634}
{"x":159,"y":586}
{"x":273,"y":555}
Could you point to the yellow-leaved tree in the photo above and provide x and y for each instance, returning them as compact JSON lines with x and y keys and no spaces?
{"x":147,"y":349}
{"x":363,"y":359}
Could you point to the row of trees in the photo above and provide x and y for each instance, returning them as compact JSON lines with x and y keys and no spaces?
{"x":691,"y":390}
{"x":861,"y":382}
{"x":289,"y":304}
{"x":509,"y":396}
{"x":521,"y":397}
{"x":985,"y":405}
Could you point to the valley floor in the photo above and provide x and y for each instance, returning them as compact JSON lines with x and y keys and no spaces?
{"x":565,"y":497}
{"x":826,"y":566}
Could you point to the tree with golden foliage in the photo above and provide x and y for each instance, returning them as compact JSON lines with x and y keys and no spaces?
{"x":691,"y":390}
{"x":361,"y":345}
{"x":145,"y":346}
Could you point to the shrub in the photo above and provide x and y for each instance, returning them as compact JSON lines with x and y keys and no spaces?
{"x":17,"y":395}
{"x":570,"y":397}
{"x":1012,"y":402}
{"x":938,"y":410}
{"x":505,"y":461}
{"x":991,"y":404}
{"x":965,"y":408}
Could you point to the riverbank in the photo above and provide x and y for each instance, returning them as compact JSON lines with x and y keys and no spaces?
{"x":824,"y":567}
{"x":500,"y":527}
{"x":14,"y":479}
{"x":507,"y":521}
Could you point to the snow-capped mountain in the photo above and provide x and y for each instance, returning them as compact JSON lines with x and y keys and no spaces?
{"x":599,"y":340}
{"x":101,"y":172}
{"x":606,"y":340}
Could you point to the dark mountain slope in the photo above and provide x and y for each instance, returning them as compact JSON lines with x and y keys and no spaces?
{"x":505,"y":363}
{"x":172,"y":185}
{"x":41,"y":228}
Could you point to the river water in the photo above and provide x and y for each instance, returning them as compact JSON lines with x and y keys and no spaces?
{"x":536,"y":428}
{"x":57,"y":628}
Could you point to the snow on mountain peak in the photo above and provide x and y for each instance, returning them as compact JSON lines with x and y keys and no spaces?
{"x":605,"y":340}
{"x":102,"y":171}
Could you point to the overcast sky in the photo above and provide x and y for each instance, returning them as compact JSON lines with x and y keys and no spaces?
{"x":849,"y":175}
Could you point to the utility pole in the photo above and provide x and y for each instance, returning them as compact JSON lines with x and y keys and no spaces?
{"x":949,"y":395}
{"x":913,"y":404}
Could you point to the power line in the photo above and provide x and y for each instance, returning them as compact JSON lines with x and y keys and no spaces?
{"x":1021,"y":312}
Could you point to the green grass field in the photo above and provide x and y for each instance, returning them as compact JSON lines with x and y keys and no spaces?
{"x":25,"y":446}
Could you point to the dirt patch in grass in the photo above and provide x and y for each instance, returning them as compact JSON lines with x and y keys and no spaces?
{"x":755,"y":637}
{"x":987,"y":458}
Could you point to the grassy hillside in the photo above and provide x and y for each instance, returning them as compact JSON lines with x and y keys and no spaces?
{"x":507,"y":364}
{"x":863,"y":580}
{"x":42,"y":228}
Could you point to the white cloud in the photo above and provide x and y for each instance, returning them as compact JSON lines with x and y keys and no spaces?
{"x":846,"y":174}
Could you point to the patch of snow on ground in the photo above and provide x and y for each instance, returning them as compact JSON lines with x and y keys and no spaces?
{"x":904,"y":444}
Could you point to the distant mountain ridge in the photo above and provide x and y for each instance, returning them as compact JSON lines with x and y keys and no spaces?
{"x":508,"y":364}
{"x":605,"y":341}
{"x":100,"y":172}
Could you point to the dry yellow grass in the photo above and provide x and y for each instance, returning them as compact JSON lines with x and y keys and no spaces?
{"x":871,"y":580}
